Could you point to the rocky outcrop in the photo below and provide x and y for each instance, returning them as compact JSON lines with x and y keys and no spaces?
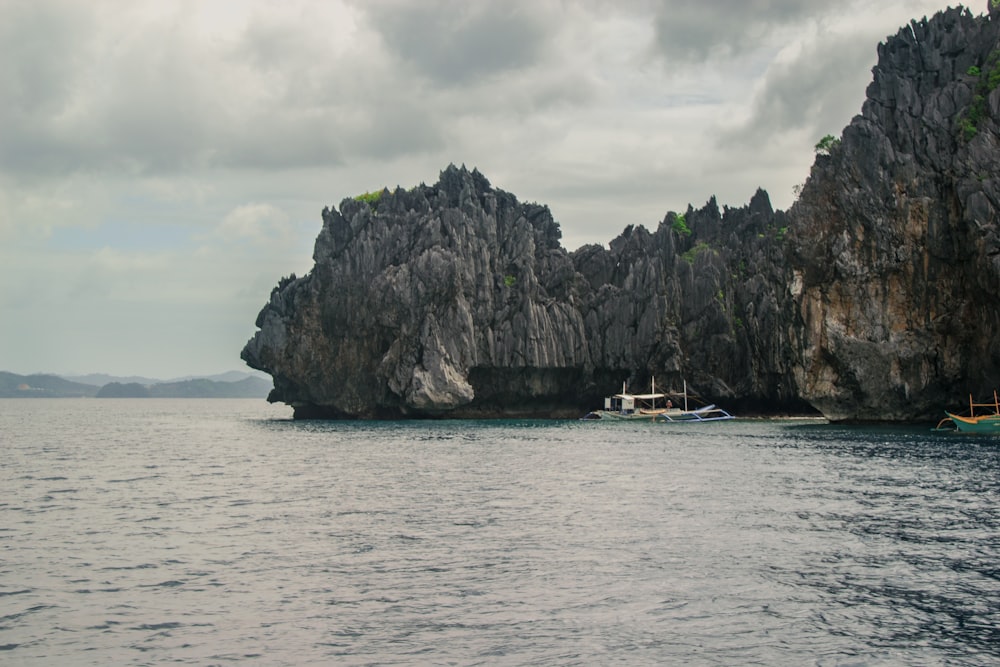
{"x":874,"y":297}
{"x":446,"y":299}
{"x":457,"y":299}
{"x":894,"y":239}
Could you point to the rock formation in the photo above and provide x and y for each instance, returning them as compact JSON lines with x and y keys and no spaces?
{"x":874,"y":298}
{"x":450,"y":299}
{"x":894,"y":240}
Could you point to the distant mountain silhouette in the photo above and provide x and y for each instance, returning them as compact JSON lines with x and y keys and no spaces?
{"x":42,"y":385}
{"x":250,"y":387}
{"x":101,"y":379}
{"x":241,"y":385}
{"x":123,"y":390}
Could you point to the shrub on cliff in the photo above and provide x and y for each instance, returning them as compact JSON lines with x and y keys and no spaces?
{"x":827,"y":144}
{"x":370,"y":198}
{"x":989,"y":79}
{"x":679,"y":225}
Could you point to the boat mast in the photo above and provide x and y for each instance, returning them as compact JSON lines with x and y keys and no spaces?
{"x":685,"y":395}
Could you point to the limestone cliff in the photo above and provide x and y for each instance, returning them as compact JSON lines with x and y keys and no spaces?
{"x":894,"y":240}
{"x":874,"y":297}
{"x":457,"y":299}
{"x":446,"y":299}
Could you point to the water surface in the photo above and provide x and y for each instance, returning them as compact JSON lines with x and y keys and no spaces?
{"x":144,"y":532}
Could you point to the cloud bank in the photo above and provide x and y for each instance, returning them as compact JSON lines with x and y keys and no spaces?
{"x":163,"y":164}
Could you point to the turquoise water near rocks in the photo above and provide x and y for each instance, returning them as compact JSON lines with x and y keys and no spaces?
{"x":146,"y":532}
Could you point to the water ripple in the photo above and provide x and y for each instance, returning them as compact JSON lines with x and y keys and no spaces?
{"x":221,"y":531}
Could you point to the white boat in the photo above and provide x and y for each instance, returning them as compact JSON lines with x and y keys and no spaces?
{"x":656,"y":406}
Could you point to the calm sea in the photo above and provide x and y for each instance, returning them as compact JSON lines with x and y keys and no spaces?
{"x":149,"y":532}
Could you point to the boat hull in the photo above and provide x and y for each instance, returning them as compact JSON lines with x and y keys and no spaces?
{"x":986,"y":424}
{"x":709,"y":413}
{"x":610,"y":415}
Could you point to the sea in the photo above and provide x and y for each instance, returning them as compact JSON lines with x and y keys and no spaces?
{"x":222,"y":532}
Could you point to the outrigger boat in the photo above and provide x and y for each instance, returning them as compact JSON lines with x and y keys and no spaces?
{"x":981,"y":423}
{"x":656,"y":406}
{"x":708,"y":413}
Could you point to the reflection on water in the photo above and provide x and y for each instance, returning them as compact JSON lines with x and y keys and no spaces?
{"x":208,"y":532}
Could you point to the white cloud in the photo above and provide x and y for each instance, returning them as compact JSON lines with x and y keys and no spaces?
{"x":119,"y":262}
{"x":259,"y":223}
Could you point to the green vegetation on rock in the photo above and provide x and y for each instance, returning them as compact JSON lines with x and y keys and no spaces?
{"x":370,"y":198}
{"x":989,"y":79}
{"x":827,"y":144}
{"x":699,"y":248}
{"x":679,"y":225}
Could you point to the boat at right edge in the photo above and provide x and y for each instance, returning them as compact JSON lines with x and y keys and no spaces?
{"x":981,"y":423}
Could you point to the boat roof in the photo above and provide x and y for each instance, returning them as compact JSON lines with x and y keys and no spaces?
{"x":644,"y":397}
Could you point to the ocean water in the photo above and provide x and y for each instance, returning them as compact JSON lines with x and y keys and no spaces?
{"x":150,"y":532}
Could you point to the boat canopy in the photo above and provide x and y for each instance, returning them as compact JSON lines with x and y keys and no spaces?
{"x":640,"y":397}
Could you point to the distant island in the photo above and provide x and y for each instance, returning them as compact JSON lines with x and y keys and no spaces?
{"x":229,"y":385}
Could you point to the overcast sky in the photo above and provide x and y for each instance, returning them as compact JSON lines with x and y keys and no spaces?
{"x":163,"y":164}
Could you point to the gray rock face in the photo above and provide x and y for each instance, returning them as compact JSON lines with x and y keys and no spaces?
{"x":874,"y":297}
{"x":417,"y":298}
{"x":456,"y":299}
{"x":894,"y":240}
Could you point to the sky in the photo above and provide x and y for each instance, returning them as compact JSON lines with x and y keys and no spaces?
{"x":164,"y":163}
